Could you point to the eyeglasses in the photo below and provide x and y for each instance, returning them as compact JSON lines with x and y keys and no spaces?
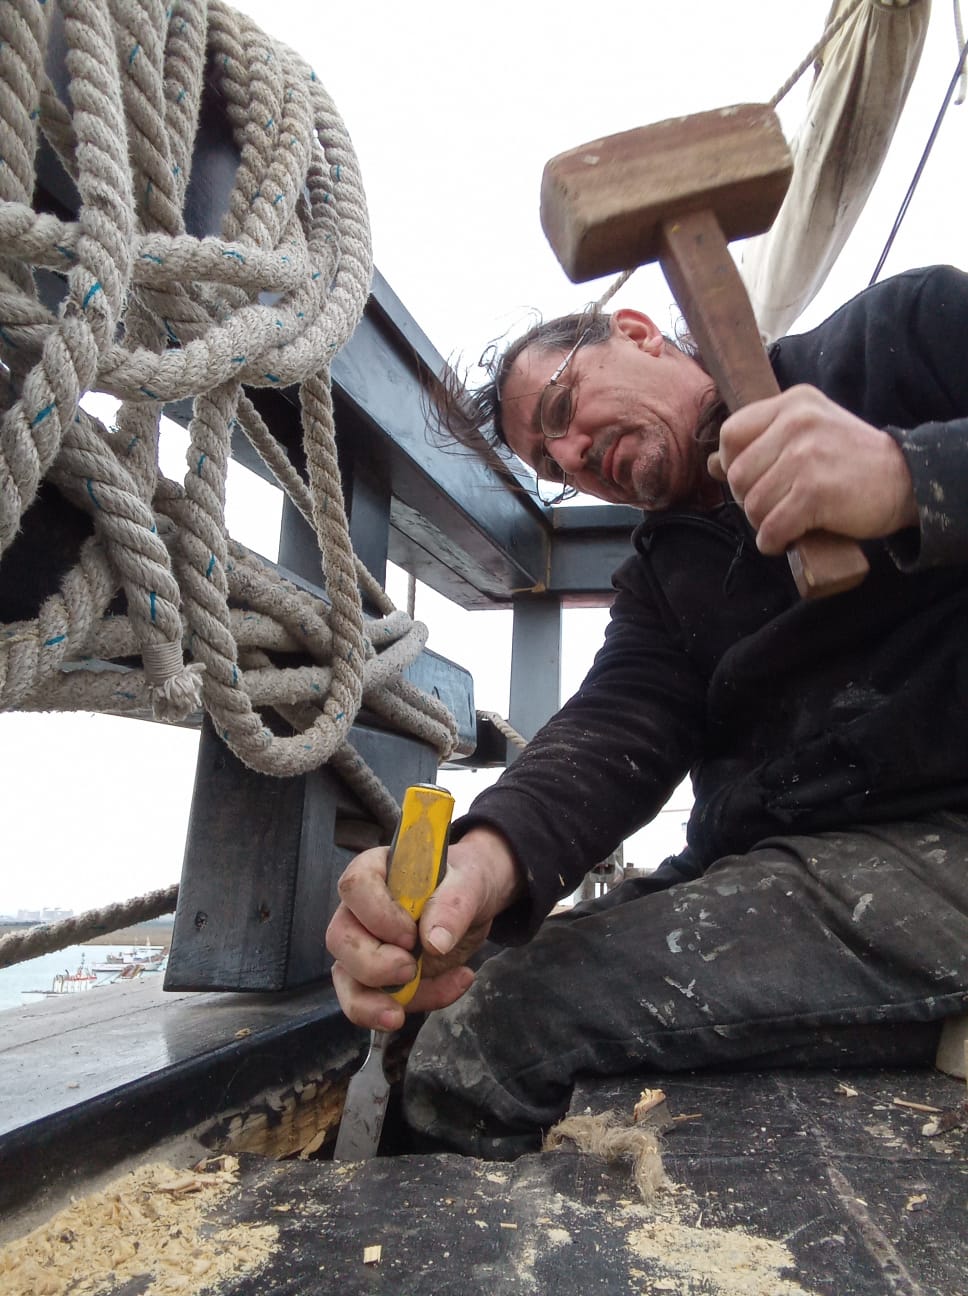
{"x":555,"y":407}
{"x":555,"y":412}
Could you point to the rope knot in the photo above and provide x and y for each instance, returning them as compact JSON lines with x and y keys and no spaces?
{"x":174,"y":686}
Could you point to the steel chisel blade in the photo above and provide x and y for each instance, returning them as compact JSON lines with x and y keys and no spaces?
{"x":366,"y":1104}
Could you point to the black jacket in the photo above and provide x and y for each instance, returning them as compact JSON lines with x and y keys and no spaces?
{"x":791,"y":716}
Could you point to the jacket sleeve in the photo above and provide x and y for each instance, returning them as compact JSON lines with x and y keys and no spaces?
{"x":605,"y":764}
{"x":936,"y":450}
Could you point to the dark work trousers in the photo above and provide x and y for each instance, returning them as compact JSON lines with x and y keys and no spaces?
{"x":842,"y":949}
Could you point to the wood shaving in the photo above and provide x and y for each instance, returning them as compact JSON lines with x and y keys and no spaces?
{"x":914,"y":1106}
{"x":150,"y":1224}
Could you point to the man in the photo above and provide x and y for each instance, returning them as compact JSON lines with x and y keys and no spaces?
{"x":819,"y":914}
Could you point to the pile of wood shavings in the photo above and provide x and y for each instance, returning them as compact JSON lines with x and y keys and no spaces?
{"x":152,"y":1223}
{"x":692,"y":1261}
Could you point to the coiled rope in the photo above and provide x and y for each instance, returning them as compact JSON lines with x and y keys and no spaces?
{"x":152,"y":314}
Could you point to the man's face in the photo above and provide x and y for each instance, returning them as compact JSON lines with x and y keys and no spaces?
{"x":635,"y":402}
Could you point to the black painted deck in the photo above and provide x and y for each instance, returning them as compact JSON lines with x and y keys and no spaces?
{"x":863,"y":1202}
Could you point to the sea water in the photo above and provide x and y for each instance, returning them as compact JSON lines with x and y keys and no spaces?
{"x":38,"y":973}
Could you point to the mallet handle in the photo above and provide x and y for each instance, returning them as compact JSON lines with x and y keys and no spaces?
{"x":712,"y":297}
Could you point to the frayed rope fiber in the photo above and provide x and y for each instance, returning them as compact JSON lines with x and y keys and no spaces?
{"x":610,"y":1139}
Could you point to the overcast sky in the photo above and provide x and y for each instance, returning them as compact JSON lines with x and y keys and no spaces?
{"x":454,"y":109}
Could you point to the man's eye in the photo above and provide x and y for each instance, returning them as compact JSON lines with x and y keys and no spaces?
{"x":555,"y":409}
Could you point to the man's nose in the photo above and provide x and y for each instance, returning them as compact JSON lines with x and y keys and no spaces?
{"x":568,"y":451}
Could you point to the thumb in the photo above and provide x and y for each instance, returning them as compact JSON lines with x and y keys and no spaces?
{"x":451,"y":911}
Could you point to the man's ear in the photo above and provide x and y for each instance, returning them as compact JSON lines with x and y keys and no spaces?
{"x":638,"y":328}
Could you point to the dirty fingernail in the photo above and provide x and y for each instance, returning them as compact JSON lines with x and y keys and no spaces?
{"x":441,"y":939}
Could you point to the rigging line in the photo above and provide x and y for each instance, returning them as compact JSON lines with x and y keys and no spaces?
{"x":902,"y":211}
{"x":829,"y":31}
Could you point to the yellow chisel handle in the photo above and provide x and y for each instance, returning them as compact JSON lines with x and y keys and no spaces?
{"x":418,"y":855}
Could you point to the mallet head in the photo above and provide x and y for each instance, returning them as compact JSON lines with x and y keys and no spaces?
{"x":602,"y":204}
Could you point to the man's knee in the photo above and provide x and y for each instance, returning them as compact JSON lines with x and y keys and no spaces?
{"x":453,"y":1095}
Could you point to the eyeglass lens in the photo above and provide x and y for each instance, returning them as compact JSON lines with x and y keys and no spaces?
{"x":555,"y":409}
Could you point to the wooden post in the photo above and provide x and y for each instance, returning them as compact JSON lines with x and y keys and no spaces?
{"x":262,"y":861}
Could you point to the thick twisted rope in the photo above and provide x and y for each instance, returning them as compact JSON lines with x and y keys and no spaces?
{"x":152,"y":314}
{"x":18,"y":946}
{"x":505,"y":728}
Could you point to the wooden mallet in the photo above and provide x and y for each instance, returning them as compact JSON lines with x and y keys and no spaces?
{"x":676,"y":192}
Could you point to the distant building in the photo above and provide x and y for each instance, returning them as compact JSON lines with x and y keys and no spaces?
{"x":42,"y":915}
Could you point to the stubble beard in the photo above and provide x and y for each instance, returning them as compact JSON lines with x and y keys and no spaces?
{"x":652,"y":470}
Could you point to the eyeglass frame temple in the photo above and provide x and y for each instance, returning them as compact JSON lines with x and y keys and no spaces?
{"x":566,"y":490}
{"x":567,"y":360}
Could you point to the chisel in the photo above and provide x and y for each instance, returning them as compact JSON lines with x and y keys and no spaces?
{"x":416,"y":865}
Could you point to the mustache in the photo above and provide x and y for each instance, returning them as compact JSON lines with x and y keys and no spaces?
{"x":598,"y":452}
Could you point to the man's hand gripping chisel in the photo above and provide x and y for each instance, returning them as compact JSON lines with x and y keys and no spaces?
{"x":416,"y":865}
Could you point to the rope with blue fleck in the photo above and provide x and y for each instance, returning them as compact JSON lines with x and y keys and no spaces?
{"x":152,"y":314}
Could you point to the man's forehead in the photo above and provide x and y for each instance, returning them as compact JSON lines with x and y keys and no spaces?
{"x":523,"y":383}
{"x":532,"y":368}
{"x":526,"y":379}
{"x":533,"y":361}
{"x":528,"y":373}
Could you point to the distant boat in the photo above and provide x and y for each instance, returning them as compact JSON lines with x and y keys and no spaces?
{"x":69,"y":982}
{"x":146,"y":956}
{"x":129,"y":971}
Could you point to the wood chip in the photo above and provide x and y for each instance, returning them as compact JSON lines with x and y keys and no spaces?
{"x":649,"y":1099}
{"x":314,"y":1144}
{"x":372,"y":1254}
{"x":847,"y":1090}
{"x":954,"y":1118}
{"x":186,"y":1183}
{"x":917,"y":1202}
